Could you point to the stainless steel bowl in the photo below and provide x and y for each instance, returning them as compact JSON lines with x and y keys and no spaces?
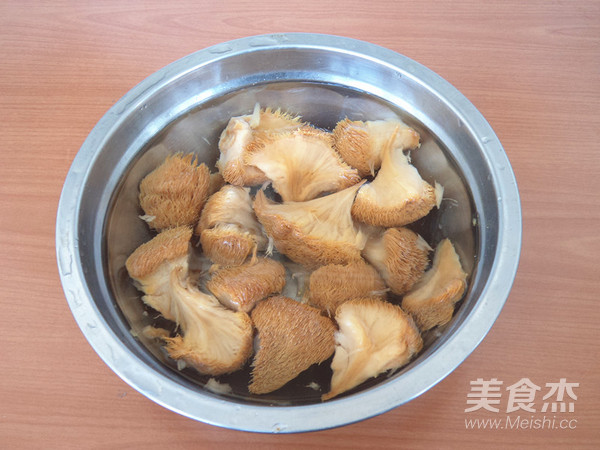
{"x":183,"y":107}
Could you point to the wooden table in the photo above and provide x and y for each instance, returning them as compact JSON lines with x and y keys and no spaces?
{"x":532,"y":68}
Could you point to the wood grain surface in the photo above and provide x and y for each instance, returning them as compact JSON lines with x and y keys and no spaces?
{"x":532,"y":68}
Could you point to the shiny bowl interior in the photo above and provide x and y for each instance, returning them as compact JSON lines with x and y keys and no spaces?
{"x":183,"y":108}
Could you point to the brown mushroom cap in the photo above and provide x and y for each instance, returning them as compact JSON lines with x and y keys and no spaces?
{"x":215,"y":339}
{"x":151,"y":264}
{"x":400,"y":255}
{"x":232,"y":144}
{"x":241,"y":132}
{"x":228,"y":228}
{"x":374,"y":336}
{"x":227,"y":245}
{"x":334,"y":284}
{"x":229,"y":205}
{"x":169,"y":245}
{"x":361,"y":143}
{"x":240,"y":288}
{"x":396,"y":197}
{"x":431,"y":300}
{"x":316,"y":232}
{"x":301,"y":163}
{"x":174,"y":193}
{"x":292,"y":337}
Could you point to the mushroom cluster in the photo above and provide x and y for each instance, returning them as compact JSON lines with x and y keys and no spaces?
{"x":336,"y":203}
